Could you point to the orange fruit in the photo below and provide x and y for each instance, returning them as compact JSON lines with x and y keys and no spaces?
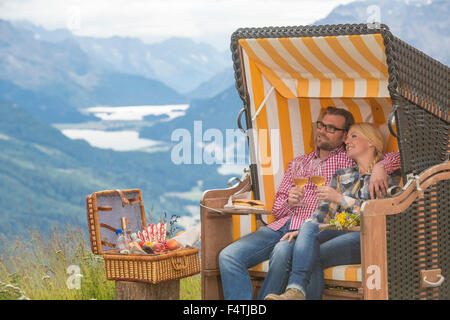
{"x":172,"y":244}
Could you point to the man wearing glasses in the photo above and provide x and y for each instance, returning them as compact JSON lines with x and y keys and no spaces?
{"x":256,"y":247}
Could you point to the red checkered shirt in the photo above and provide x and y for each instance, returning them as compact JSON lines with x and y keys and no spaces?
{"x":336,"y":160}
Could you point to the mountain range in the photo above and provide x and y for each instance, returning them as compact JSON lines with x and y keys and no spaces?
{"x":79,"y":72}
{"x":66,"y":79}
{"x":180,"y":63}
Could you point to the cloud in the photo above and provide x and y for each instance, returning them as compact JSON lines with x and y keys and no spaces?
{"x":209,"y":20}
{"x":192,"y":221}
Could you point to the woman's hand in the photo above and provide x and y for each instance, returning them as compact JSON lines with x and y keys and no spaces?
{"x":290,"y":235}
{"x":378,"y":182}
{"x":329,"y":194}
{"x":295,"y":195}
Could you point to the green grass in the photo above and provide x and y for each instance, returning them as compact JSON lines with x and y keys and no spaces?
{"x":191,"y":288}
{"x":37,"y":268}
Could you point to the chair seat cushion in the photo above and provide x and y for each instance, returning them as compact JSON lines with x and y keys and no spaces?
{"x":351,"y":272}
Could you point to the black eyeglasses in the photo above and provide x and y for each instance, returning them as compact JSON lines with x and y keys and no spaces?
{"x":328,"y":127}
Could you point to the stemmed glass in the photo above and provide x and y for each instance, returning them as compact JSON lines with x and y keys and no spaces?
{"x":316,"y":175}
{"x":300,"y":180}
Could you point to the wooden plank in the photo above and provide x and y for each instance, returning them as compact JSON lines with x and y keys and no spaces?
{"x":216,"y":234}
{"x":211,"y":286}
{"x":245,"y":211}
{"x":374,"y":258}
{"x":329,"y":294}
{"x":128,"y":290}
{"x":350,"y":284}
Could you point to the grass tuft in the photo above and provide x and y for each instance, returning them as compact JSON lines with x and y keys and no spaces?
{"x":61,"y":266}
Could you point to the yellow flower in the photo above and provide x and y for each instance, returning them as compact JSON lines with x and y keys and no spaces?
{"x":341,"y":218}
{"x":345,"y":219}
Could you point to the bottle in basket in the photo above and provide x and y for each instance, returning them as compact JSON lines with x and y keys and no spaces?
{"x":125,"y":223}
{"x":122,"y":241}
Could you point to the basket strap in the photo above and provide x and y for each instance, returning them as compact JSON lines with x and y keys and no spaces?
{"x":106,"y":226}
{"x":104,"y":208}
{"x":108,"y":244}
{"x":133,"y":200}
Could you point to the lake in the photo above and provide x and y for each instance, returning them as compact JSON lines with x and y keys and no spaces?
{"x":122,"y":140}
{"x":131,"y":117}
{"x":129,"y":113}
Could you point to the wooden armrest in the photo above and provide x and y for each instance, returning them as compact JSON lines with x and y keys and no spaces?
{"x":215,"y":200}
{"x":231,"y":211}
{"x":245,"y":211}
{"x":243,"y":186}
{"x":401,"y":201}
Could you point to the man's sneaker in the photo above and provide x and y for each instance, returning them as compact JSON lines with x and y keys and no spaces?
{"x":289,"y":294}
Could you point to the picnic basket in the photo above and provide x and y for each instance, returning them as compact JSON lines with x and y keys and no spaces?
{"x":104,"y":210}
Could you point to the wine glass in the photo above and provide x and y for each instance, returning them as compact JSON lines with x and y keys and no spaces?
{"x":300,"y":180}
{"x":316,"y":175}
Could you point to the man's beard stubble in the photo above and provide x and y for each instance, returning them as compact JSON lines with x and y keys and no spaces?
{"x":325,"y":145}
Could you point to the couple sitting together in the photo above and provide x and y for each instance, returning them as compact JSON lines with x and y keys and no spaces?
{"x":351,"y":158}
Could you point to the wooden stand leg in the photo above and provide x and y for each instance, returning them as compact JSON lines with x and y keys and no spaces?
{"x":128,"y":290}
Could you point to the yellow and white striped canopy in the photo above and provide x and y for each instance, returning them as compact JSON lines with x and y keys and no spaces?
{"x":351,"y":66}
{"x":290,"y":81}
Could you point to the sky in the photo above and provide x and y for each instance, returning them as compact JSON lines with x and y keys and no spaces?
{"x":210,"y":21}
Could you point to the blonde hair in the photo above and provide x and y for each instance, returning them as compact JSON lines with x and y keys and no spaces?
{"x":371,"y":133}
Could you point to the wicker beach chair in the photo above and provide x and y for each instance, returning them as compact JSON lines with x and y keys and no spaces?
{"x":285,"y":77}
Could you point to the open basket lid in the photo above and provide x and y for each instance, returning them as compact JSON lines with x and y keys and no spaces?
{"x":104,"y":212}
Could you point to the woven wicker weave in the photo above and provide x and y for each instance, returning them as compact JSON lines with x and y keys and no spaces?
{"x":151,"y":268}
{"x":419,"y":238}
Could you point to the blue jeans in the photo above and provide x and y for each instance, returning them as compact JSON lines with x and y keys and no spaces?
{"x":248,"y":251}
{"x":314,"y":251}
{"x":335,"y":248}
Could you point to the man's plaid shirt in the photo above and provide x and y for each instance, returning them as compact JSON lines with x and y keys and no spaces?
{"x":337,"y":160}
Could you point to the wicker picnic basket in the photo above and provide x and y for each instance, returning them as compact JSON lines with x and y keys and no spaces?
{"x":104,"y":210}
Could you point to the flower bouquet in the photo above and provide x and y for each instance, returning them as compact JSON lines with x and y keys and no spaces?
{"x":346,"y":221}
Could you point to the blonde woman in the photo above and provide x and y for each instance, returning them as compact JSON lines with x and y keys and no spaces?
{"x":312,"y":251}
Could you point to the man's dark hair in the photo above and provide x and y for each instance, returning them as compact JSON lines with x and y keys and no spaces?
{"x":349,"y":120}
